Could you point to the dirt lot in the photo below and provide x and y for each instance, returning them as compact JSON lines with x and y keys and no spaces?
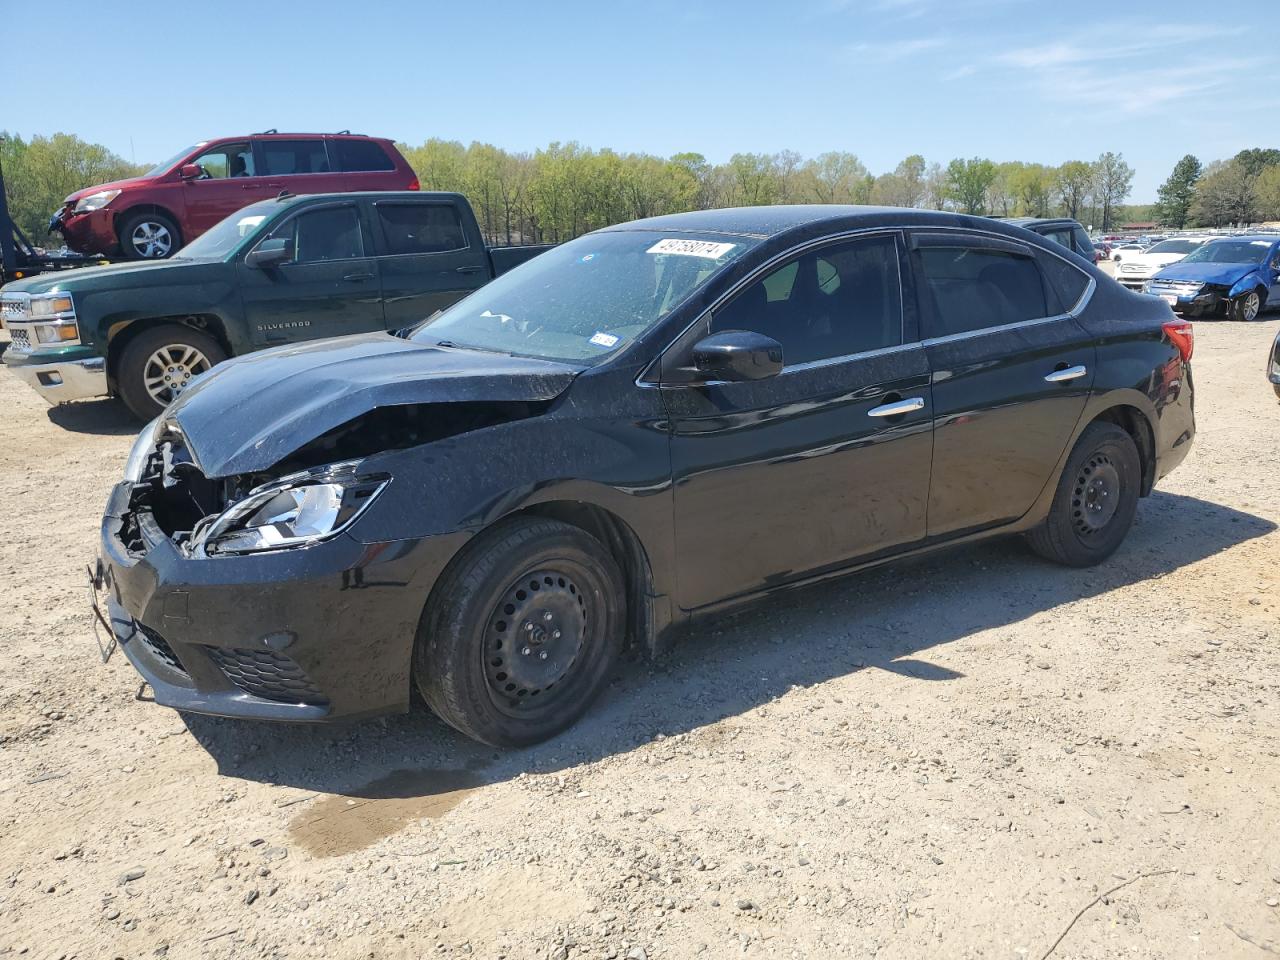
{"x":949,"y":758}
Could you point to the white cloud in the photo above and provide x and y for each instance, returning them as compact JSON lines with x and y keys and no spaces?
{"x":892,"y":50}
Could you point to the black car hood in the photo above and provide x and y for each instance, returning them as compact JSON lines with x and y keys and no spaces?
{"x":247,"y":414}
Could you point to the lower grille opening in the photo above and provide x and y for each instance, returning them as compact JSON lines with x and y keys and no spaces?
{"x":159,"y":647}
{"x":268,"y":675}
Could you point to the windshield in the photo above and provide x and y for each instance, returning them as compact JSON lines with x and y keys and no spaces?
{"x":1175,"y":246}
{"x":586,"y":299}
{"x":160,"y":168}
{"x":226,"y":235}
{"x":1229,"y":251}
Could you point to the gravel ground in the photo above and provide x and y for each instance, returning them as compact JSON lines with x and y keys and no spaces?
{"x":950,"y":757}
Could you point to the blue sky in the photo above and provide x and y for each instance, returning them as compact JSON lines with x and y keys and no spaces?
{"x":1006,"y":79}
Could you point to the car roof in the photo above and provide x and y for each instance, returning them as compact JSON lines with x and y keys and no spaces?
{"x":1029,"y":221}
{"x":372,"y":194}
{"x":1252,"y":238}
{"x":764,"y":222}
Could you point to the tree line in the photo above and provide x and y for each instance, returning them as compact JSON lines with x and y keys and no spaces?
{"x":563,"y":190}
{"x":1235,"y":192}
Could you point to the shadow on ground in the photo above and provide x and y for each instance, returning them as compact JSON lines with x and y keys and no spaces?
{"x":105,"y":417}
{"x":883,"y":620}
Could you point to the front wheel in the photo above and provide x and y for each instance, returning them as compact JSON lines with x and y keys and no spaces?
{"x":149,"y":236}
{"x":1096,"y":499}
{"x":158,"y":364}
{"x":522,"y":632}
{"x":1246,"y":307}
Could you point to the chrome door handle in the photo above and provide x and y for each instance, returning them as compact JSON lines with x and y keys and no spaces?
{"x":1062,"y":376}
{"x":897,"y":407}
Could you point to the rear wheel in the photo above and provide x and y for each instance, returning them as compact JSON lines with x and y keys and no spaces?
{"x":1246,"y":307}
{"x":149,"y":236}
{"x":1096,"y":499}
{"x":159,"y":363}
{"x":522,"y":632}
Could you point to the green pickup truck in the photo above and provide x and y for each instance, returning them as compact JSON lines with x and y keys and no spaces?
{"x":277,"y":271}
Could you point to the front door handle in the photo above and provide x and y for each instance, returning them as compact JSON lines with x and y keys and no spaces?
{"x":474,"y":268}
{"x":897,"y":407}
{"x":1065,"y":374}
{"x":357,"y":277}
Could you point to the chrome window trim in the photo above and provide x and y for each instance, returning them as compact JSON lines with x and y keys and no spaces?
{"x":643,"y":380}
{"x":423,"y":203}
{"x":1002,"y":328}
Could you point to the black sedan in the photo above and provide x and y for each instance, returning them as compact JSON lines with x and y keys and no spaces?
{"x":645,"y":425}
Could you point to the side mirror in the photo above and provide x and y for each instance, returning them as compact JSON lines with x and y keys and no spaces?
{"x":737,"y":355}
{"x":191,"y":171}
{"x":270,"y":253}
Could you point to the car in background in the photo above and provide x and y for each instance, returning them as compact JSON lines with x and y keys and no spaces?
{"x":1137,"y":269}
{"x":1236,"y":277}
{"x":153,"y":216}
{"x":1102,"y":250}
{"x":1129,"y":248}
{"x":645,"y":426}
{"x":278,"y":271}
{"x":1273,"y":366}
{"x":1061,"y":230}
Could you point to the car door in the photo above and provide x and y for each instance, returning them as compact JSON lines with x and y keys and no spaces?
{"x":1272,"y":272}
{"x":827,"y":461}
{"x":330,"y":286}
{"x":229,"y":182}
{"x":299,"y":165}
{"x":426,"y":260}
{"x":1011,"y":372}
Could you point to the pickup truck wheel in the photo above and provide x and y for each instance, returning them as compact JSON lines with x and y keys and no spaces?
{"x":1246,"y":307}
{"x":522,"y":632}
{"x":159,"y":363}
{"x":1096,"y":499}
{"x":149,"y":236}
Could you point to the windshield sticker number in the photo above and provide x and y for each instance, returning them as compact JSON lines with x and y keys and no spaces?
{"x":604,"y":339}
{"x":692,"y":248}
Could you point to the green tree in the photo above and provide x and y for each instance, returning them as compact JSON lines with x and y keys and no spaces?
{"x":1032,"y":185}
{"x":1267,"y":192}
{"x":1073,"y":183}
{"x":968,"y":182}
{"x":1257,"y":159}
{"x":833,"y":177}
{"x":1112,"y":183}
{"x":1175,"y":195}
{"x":1225,"y":195}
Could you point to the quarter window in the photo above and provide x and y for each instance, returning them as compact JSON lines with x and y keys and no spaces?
{"x":837,"y":301}
{"x":971,"y":288}
{"x":281,"y":158}
{"x":1067,"y":281}
{"x":360,"y":155}
{"x":420,"y":227}
{"x":332,"y":233}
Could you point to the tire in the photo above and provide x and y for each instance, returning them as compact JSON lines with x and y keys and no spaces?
{"x":521,"y":633}
{"x":140,"y":377}
{"x":149,"y":236}
{"x":1247,"y":307}
{"x":1096,"y":499}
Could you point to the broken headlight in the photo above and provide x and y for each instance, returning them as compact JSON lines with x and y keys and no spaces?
{"x":295,"y":511}
{"x":143,"y":447}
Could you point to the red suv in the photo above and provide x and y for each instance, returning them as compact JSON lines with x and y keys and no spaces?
{"x":152,"y":216}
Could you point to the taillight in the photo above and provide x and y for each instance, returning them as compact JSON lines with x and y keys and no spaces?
{"x":414,"y":185}
{"x":1183,"y":337}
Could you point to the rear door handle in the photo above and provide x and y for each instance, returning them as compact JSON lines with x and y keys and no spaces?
{"x":357,"y":277}
{"x":1065,"y":374}
{"x":474,"y":268}
{"x":909,"y":405}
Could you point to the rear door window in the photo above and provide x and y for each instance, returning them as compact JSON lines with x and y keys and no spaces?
{"x":1060,"y":236}
{"x":360,"y":156}
{"x":973,"y":288}
{"x":420,"y":227}
{"x":283,"y":158}
{"x":330,"y":233}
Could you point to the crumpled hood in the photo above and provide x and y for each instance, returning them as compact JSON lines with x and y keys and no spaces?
{"x":1224,"y":273}
{"x":247,"y":414}
{"x":113,"y":185}
{"x":1151,"y":261}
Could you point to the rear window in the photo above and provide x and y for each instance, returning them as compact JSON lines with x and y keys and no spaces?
{"x":420,"y":227}
{"x":281,"y":158}
{"x":360,"y":156}
{"x":974,"y":288}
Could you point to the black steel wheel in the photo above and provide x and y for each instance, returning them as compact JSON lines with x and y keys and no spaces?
{"x":1095,"y":501}
{"x":521,"y":632}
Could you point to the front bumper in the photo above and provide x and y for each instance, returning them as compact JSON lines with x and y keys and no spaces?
{"x":60,"y":376}
{"x":92,"y":232}
{"x":312,"y":634}
{"x":1206,"y":302}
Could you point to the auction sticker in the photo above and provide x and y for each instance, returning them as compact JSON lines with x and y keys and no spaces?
{"x":692,"y":248}
{"x":604,"y":339}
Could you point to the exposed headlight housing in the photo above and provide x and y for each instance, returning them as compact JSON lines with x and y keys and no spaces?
{"x":295,"y":511}
{"x":95,"y":201}
{"x":142,"y":449}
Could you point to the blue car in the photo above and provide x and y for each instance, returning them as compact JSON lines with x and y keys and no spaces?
{"x":1238,"y":277}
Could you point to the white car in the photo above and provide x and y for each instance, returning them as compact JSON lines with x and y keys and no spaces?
{"x":1137,"y":268}
{"x":1124,"y":251}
